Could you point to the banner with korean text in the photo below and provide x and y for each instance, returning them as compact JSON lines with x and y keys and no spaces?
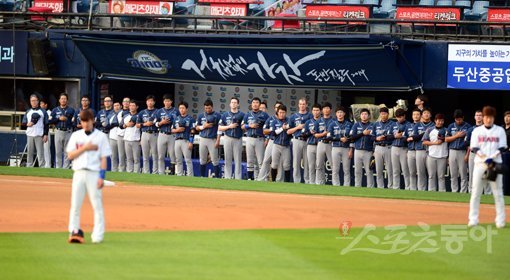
{"x":57,"y":6}
{"x":442,"y":14}
{"x":13,"y":52}
{"x":336,"y":11}
{"x":141,"y":7}
{"x":479,"y":66}
{"x":228,"y":9}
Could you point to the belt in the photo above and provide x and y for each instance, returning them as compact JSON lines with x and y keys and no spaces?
{"x":167,"y":133}
{"x":179,"y":138}
{"x":313,"y":144}
{"x":457,"y":149}
{"x":150,"y":132}
{"x":256,"y":136}
{"x":382,"y":145}
{"x":63,"y":129}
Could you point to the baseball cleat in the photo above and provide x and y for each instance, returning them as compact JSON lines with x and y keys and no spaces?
{"x":472,"y":224}
{"x":500,"y":226}
{"x":76,"y":237}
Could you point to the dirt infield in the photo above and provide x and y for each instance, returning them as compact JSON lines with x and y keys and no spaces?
{"x":34,"y":204}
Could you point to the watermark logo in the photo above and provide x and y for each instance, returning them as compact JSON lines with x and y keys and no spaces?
{"x":148,"y":61}
{"x":404,"y":240}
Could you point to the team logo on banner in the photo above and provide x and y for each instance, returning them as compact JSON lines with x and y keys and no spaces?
{"x":149,"y":61}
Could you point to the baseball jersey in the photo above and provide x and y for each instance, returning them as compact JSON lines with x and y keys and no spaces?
{"x":146,"y":116}
{"x":268,"y":125}
{"x":323,"y":126}
{"x":89,"y":160}
{"x":39,"y":118}
{"x":398,"y":127}
{"x":281,"y":138}
{"x":488,"y":141}
{"x":213,"y":118}
{"x":102,"y":120}
{"x":311,"y":127}
{"x":433,"y":134}
{"x":229,"y":118}
{"x":120,"y":119}
{"x":168,"y":114}
{"x":58,"y":112}
{"x":361,"y":141}
{"x":410,"y":133}
{"x":77,"y":115}
{"x":114,"y":125}
{"x":298,"y":119}
{"x":381,"y":128}
{"x":258,"y":118}
{"x":419,"y":130}
{"x":338,"y":129}
{"x":131,"y":133}
{"x":459,"y":143}
{"x":188,"y":122}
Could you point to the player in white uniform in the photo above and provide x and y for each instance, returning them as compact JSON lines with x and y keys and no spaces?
{"x":487,"y":142}
{"x":89,"y":149}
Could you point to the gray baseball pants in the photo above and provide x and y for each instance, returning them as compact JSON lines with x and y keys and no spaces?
{"x":362,"y":160}
{"x":299,"y":157}
{"x":323,"y":153}
{"x":399,"y":166}
{"x":266,"y":164}
{"x":411,"y":164}
{"x":311,"y":155}
{"x":182,"y":149}
{"x":421,"y":169}
{"x":383,"y":160}
{"x":122,"y":153}
{"x":132,"y":149}
{"x":281,"y":158}
{"x":47,"y":152}
{"x":61,"y":139}
{"x":207,"y":145}
{"x":339,"y":156}
{"x":233,"y":148}
{"x":436,"y":167}
{"x":254,"y":154}
{"x":149,"y":149}
{"x":115,"y":155}
{"x":35,"y":145}
{"x":458,"y":167}
{"x":166,"y":146}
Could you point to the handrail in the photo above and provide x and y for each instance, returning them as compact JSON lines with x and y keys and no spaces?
{"x":462,"y":29}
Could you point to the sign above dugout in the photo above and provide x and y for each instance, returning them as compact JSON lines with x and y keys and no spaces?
{"x":371,"y":66}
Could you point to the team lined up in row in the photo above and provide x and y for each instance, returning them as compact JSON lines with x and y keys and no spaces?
{"x":412,"y":149}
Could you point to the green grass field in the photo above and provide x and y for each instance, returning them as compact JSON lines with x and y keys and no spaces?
{"x":253,"y":254}
{"x":248,"y":254}
{"x":243,"y":185}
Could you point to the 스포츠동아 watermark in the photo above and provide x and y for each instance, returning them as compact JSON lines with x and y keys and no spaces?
{"x":404,"y":240}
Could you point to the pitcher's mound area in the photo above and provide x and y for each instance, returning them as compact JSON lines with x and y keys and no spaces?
{"x":35,"y":204}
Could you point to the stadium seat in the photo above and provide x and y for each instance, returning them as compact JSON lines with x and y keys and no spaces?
{"x":444,"y":3}
{"x":387,"y":9}
{"x":426,"y":3}
{"x":333,"y":2}
{"x":479,"y":11}
{"x":352,"y":2}
{"x":371,"y":2}
{"x":7,"y":6}
{"x":464,"y":3}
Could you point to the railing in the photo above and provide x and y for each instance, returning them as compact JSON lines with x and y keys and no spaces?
{"x":434,"y":30}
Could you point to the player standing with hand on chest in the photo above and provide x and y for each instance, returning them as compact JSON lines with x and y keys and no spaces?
{"x":488,"y":142}
{"x":88,"y":148}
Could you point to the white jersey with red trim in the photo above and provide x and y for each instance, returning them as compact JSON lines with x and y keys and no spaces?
{"x":488,"y":141}
{"x":89,"y":160}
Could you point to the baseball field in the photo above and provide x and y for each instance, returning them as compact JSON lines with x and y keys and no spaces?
{"x":166,"y":227}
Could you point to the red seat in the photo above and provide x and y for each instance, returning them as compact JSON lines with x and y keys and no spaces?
{"x":41,"y":10}
{"x":286,"y":24}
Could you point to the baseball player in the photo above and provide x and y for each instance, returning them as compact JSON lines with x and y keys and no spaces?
{"x":311,"y":126}
{"x":411,"y":149}
{"x":230,"y":125}
{"x":361,"y":135}
{"x":36,"y":121}
{"x":382,"y":152}
{"x":421,"y":102}
{"x":280,"y":152}
{"x":434,"y":139}
{"x":297,"y":124}
{"x":324,"y":145}
{"x":456,"y":139}
{"x":113,"y":135}
{"x":88,"y":149}
{"x":488,"y":142}
{"x":421,"y":153}
{"x":182,"y":127}
{"x":207,"y":125}
{"x":47,"y":145}
{"x":470,"y":155}
{"x":132,"y":137}
{"x":85,"y":104}
{"x":341,"y":152}
{"x":149,"y":142}
{"x":398,"y":136}
{"x":253,"y":124}
{"x":62,"y":117}
{"x":104,"y":123}
{"x":120,"y":134}
{"x":166,"y":140}
{"x":270,"y":136}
